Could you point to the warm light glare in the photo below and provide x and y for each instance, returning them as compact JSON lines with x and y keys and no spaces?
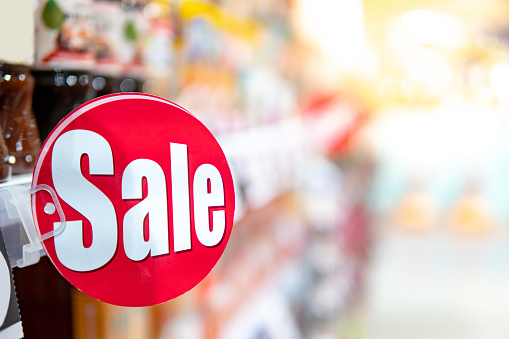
{"x":152,"y":10}
{"x":335,"y":26}
{"x":432,"y":28}
{"x":499,"y":78}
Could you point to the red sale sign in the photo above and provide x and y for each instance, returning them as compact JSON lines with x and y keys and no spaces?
{"x":147,"y":195}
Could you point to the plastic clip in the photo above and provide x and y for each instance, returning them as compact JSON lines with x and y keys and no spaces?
{"x":21,"y":200}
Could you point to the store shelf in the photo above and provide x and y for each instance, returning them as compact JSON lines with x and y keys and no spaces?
{"x":15,"y":180}
{"x":261,"y":175}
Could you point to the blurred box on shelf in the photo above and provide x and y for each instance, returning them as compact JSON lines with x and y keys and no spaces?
{"x":93,"y":319}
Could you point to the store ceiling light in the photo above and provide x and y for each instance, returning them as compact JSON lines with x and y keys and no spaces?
{"x":334,"y":27}
{"x":432,"y":28}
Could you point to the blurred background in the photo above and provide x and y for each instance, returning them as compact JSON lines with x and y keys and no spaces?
{"x":368,"y":140}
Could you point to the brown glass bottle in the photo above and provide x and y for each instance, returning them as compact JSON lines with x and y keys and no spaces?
{"x":57,"y":93}
{"x":5,"y":163}
{"x":17,"y":121}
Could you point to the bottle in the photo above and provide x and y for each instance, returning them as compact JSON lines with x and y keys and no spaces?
{"x":63,"y":60}
{"x":19,"y":128}
{"x":108,"y":35}
{"x":19,"y":137}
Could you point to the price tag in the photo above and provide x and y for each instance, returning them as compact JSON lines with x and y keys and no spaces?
{"x":147,"y":194}
{"x":9,"y":312}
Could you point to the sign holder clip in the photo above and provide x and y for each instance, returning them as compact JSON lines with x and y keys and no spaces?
{"x":20,"y":198}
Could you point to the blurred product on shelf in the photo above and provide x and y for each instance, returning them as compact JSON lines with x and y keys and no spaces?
{"x":108,"y":36}
{"x":159,"y":52}
{"x":273,"y":166}
{"x":338,"y":249}
{"x":333,"y":120}
{"x":416,"y":210}
{"x":470,"y":214}
{"x":20,"y":136}
{"x":63,"y":59}
{"x":95,"y":319}
{"x":230,"y":68}
{"x":133,"y":46}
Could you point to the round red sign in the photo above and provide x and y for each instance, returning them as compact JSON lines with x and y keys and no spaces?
{"x":147,"y":196}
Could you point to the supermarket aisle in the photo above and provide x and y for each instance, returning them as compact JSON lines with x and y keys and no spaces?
{"x":287,"y":87}
{"x":436,"y":286}
{"x":439,"y":265}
